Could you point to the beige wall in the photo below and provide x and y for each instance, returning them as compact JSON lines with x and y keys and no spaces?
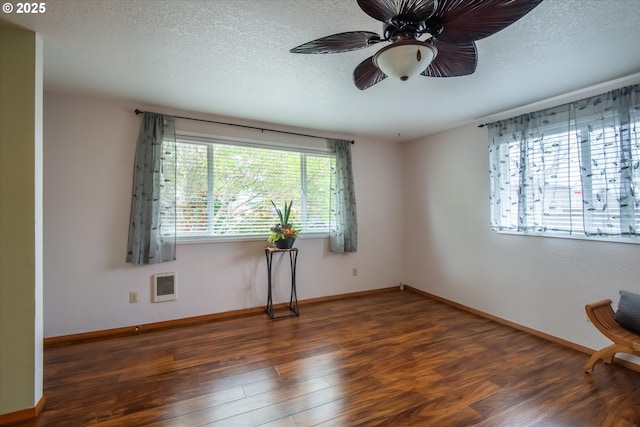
{"x":20,"y":220}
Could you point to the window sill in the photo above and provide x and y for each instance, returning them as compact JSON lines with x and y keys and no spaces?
{"x":612,"y":239}
{"x":197,"y":240}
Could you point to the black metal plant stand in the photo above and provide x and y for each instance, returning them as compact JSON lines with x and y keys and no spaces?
{"x":293,"y":301}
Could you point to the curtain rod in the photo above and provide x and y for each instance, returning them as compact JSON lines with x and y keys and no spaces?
{"x":241,"y":126}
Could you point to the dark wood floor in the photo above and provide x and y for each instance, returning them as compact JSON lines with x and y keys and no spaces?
{"x":394,"y":358}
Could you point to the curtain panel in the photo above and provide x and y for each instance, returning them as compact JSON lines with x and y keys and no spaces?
{"x":343,"y":235}
{"x":570,"y":169}
{"x":152,"y":233}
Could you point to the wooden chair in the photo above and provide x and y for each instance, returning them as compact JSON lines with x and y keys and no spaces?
{"x":624,"y":341}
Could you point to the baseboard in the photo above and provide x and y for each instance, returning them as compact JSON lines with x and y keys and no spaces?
{"x":146,"y":327}
{"x":554,"y":339}
{"x":23,"y":415}
{"x":188,"y":321}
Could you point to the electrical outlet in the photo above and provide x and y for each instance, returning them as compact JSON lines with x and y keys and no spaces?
{"x":354,"y":272}
{"x":133,"y":297}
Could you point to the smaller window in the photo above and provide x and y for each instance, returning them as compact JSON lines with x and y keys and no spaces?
{"x":571,"y":170}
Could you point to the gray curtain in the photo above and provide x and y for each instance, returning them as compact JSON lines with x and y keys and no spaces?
{"x":343,"y":235}
{"x":570,"y":169}
{"x":152,"y":228}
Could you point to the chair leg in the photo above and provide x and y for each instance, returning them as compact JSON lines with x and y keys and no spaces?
{"x":606,"y":354}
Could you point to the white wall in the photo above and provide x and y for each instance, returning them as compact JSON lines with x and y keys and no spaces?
{"x":541,"y":283}
{"x":89,"y":146}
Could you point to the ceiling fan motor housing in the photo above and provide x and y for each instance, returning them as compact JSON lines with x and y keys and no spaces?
{"x":402,"y":30}
{"x":405,"y":58}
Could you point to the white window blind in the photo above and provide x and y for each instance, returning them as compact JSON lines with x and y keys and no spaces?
{"x":224,"y":189}
{"x":571,"y":170}
{"x":549,"y":194}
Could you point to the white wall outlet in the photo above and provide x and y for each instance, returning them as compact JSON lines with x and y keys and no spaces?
{"x":354,"y":271}
{"x":133,"y":297}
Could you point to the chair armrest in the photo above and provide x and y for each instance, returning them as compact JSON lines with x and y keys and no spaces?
{"x":598,"y":304}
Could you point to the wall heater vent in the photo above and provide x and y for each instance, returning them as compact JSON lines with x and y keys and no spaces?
{"x":165,"y":287}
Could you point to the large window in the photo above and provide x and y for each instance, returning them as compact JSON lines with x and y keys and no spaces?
{"x":224,"y":188}
{"x":573,"y":170}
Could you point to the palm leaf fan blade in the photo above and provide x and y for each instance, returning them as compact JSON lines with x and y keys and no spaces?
{"x":471,"y":20}
{"x":389,"y":10}
{"x":337,"y":43}
{"x":367,"y":74}
{"x":381,"y":10}
{"x":453,"y":60}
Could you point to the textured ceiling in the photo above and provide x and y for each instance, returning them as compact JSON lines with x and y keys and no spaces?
{"x":231,"y":58}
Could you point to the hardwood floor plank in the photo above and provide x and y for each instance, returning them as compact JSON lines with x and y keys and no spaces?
{"x":348,"y":390}
{"x":168,"y":413}
{"x":444,"y":410}
{"x":545,"y":402}
{"x":282,"y":422}
{"x":386,"y":359}
{"x":462,"y":417}
{"x":297,"y":403}
{"x":362,"y":410}
{"x":279,"y":382}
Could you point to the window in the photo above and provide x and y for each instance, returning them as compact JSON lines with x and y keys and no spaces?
{"x":572,"y":170}
{"x":224,"y":188}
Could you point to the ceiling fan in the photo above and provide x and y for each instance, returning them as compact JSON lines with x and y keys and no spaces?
{"x":433,"y":38}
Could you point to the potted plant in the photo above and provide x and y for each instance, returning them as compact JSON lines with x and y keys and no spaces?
{"x":284,"y":234}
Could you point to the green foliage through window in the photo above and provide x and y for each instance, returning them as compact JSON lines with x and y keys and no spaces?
{"x":225,"y":189}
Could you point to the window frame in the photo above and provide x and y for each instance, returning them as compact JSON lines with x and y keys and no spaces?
{"x":559,"y":129}
{"x":208,"y":140}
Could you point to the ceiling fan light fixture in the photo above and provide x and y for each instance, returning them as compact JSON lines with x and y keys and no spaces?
{"x":404,"y":59}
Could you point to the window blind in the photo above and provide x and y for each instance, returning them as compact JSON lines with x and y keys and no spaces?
{"x":571,"y":170}
{"x":225,"y":189}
